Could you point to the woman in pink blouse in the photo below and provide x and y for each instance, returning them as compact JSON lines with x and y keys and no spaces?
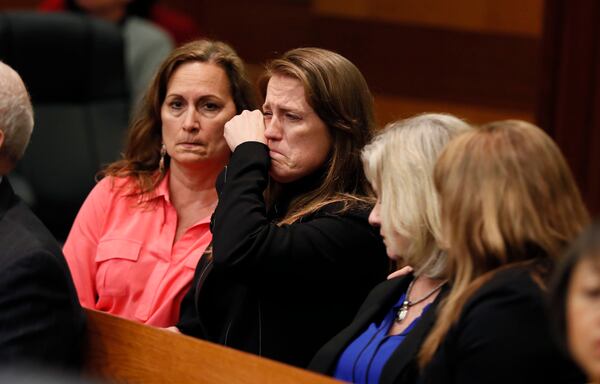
{"x":136,"y":241}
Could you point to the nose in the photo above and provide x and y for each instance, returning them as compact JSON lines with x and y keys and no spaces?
{"x":273,"y":129}
{"x":374,"y":217}
{"x":190,"y":122}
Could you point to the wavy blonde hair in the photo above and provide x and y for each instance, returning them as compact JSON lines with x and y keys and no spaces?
{"x":399,"y":165}
{"x":505,"y":190}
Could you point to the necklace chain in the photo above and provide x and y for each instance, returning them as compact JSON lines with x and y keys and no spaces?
{"x":406,"y":304}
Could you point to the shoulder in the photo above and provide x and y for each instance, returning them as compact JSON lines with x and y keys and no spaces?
{"x":113,"y":186}
{"x":37,"y":259}
{"x":108,"y":194}
{"x":397,"y":285}
{"x":517,"y":282}
{"x":504,"y":324}
{"x":144,"y":31}
{"x":511,"y":302}
{"x":349,"y":210}
{"x":143,"y":34}
{"x":384,"y":293}
{"x":25,"y":239}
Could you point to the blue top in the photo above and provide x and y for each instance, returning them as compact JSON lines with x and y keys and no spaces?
{"x":363,"y":360}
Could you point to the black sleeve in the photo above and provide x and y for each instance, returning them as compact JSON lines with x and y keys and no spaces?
{"x":189,"y":320}
{"x":326,"y":246}
{"x":41,"y":321}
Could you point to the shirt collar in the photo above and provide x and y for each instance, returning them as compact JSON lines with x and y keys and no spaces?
{"x":161,"y":190}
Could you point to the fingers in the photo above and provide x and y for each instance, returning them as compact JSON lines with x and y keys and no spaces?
{"x":401,"y":272}
{"x":247,"y":126}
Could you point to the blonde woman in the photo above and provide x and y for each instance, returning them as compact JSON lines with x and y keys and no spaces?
{"x":509,"y":206}
{"x":382,"y":342}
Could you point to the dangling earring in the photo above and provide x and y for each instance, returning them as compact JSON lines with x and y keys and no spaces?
{"x":161,"y":163}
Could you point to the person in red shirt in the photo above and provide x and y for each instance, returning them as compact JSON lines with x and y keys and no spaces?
{"x":135,"y":243}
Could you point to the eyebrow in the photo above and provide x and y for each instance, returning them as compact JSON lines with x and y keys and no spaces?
{"x":203,"y":97}
{"x":285,"y":109}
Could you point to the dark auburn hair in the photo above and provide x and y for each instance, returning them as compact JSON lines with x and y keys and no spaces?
{"x":586,"y":247}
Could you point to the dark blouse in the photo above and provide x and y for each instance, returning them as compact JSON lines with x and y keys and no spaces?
{"x":502,"y":336}
{"x":279,"y":291}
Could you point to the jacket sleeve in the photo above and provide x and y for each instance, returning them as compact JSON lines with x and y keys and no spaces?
{"x":325,"y":246}
{"x":82,"y":243}
{"x":189,"y":320}
{"x":40,"y":319}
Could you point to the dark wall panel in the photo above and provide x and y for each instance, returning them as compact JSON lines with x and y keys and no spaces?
{"x":569,"y":98}
{"x":484,"y":69}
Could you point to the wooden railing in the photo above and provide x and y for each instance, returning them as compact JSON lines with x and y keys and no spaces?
{"x":122,"y":351}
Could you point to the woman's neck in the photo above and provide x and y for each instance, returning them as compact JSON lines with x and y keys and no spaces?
{"x":422,"y":292}
{"x":193,"y":186}
{"x":423,"y":285}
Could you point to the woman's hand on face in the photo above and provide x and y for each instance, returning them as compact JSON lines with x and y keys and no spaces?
{"x":247,"y":126}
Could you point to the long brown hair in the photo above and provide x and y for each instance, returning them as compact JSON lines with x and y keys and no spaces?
{"x":339,"y":95}
{"x":142,"y":150}
{"x":505,"y":189}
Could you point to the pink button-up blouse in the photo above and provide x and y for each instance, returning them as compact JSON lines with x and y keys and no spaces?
{"x":123,"y":256}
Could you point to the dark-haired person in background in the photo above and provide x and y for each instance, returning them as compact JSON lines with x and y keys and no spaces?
{"x":41,"y":321}
{"x":575,"y":302}
{"x":289,"y":271}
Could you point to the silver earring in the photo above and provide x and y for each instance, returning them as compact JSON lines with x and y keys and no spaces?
{"x":161,"y":163}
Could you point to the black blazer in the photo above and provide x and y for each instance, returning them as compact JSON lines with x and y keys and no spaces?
{"x":502,"y":336}
{"x":402,"y":365}
{"x":41,"y":321}
{"x":279,"y":291}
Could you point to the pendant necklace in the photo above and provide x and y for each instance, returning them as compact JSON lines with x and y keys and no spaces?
{"x":406,"y":304}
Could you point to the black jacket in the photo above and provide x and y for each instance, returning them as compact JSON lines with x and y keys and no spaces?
{"x":41,"y":321}
{"x":279,"y":291}
{"x":402,"y":365}
{"x":502,"y":336}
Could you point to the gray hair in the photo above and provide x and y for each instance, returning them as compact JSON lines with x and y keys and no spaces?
{"x":399,"y":165}
{"x":16,"y":114}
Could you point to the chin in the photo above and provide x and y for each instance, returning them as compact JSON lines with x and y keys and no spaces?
{"x":282,"y":177}
{"x":391,"y":253}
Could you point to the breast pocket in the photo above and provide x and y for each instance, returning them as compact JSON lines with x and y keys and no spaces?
{"x":115,"y":260}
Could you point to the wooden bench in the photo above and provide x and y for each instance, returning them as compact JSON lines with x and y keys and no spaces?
{"x":123,"y":351}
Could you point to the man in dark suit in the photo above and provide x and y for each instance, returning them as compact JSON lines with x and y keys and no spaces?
{"x":41,"y":321}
